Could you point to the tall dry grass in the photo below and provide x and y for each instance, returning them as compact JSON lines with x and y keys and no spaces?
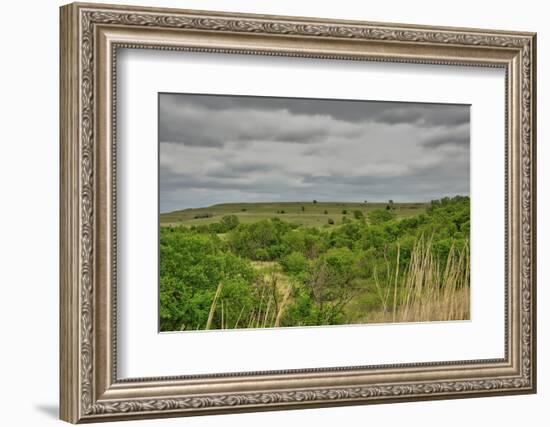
{"x":426,"y":290}
{"x":274,"y":298}
{"x":274,"y":295}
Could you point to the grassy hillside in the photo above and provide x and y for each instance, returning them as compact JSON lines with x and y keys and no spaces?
{"x":303,"y":213}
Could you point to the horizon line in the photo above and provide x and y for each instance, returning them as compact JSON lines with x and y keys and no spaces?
{"x":311,"y":202}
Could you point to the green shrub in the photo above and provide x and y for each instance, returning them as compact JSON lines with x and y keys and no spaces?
{"x":379,"y":216}
{"x":192,"y":266}
{"x":230,"y":222}
{"x":295,"y":263}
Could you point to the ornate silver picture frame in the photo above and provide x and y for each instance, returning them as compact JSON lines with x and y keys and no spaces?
{"x":91,"y":36}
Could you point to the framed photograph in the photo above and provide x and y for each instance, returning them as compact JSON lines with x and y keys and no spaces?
{"x":266,"y":212}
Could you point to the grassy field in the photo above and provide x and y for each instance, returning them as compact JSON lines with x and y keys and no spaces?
{"x":304,"y":213}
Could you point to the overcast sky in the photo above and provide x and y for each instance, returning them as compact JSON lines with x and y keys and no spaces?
{"x":219,"y":149}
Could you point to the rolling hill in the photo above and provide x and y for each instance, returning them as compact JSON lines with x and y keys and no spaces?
{"x":304,"y":213}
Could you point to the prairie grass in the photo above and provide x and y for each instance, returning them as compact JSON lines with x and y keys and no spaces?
{"x":427,"y":290}
{"x":274,"y":290}
{"x":424,"y":290}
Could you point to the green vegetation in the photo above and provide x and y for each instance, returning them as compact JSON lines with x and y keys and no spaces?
{"x":311,"y":214}
{"x":247,"y":266}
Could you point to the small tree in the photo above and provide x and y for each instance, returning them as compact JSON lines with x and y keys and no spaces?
{"x":380,"y":216}
{"x":326,"y":212}
{"x":294,"y":263}
{"x":331,"y":284}
{"x":303,"y":208}
{"x":331,"y":221}
{"x":344,"y":211}
{"x":358,"y":214}
{"x":314,"y":201}
{"x":230,"y":221}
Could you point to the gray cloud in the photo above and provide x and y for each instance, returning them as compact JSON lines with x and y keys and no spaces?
{"x":216,"y":149}
{"x":185,"y":124}
{"x":424,"y":115}
{"x":458,"y":136}
{"x":237,"y":169}
{"x":344,"y":110}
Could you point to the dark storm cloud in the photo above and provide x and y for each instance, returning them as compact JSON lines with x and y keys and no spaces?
{"x":345,"y":110}
{"x":182,"y":117}
{"x":196,"y":125}
{"x":216,"y":149}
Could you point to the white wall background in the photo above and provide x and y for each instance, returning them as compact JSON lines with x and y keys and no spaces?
{"x":29,"y":170}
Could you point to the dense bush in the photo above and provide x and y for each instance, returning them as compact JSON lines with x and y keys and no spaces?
{"x":192,"y":266}
{"x":230,"y":222}
{"x":379,"y":216}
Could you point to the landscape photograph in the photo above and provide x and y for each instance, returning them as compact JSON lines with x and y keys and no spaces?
{"x":301,"y":212}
